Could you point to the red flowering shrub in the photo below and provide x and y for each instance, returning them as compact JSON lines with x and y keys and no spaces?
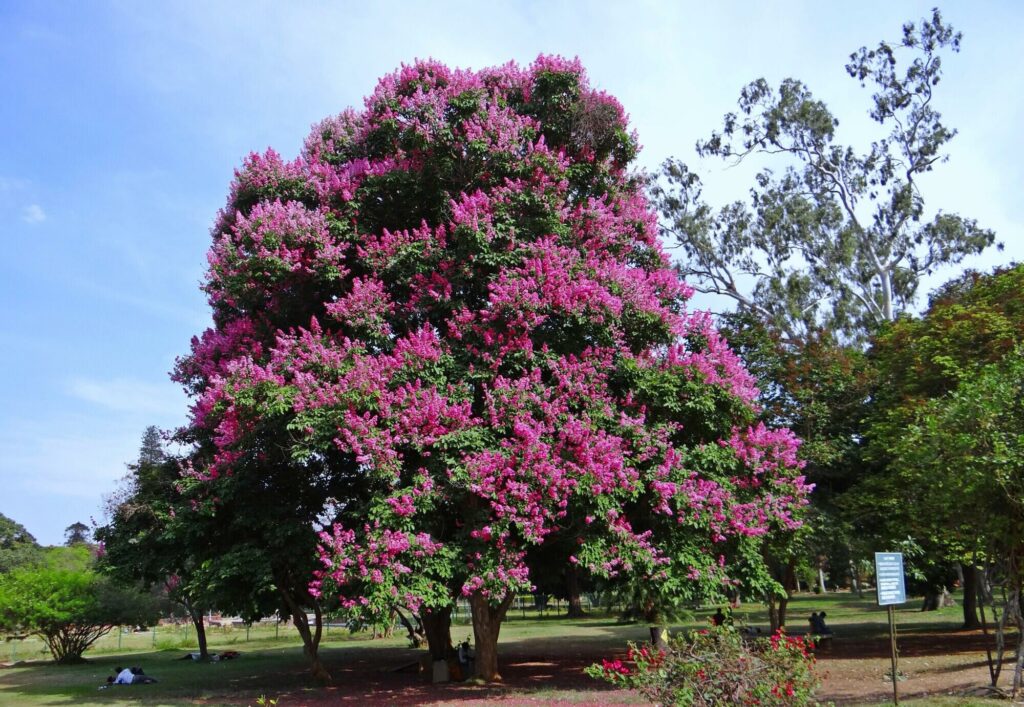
{"x":717,"y":666}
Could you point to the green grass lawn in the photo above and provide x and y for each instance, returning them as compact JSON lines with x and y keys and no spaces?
{"x":272,"y":663}
{"x":181,"y":682}
{"x":859,"y":617}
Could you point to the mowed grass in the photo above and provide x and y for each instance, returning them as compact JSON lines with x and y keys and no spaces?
{"x":181,"y":682}
{"x":272,"y":663}
{"x":855,"y":616}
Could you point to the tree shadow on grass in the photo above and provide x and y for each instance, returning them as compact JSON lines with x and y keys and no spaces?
{"x":918,"y":644}
{"x":360,"y":674}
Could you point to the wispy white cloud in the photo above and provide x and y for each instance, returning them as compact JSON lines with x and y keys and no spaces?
{"x":33,"y":214}
{"x":55,"y":468}
{"x":190,"y":310}
{"x":163,"y":400}
{"x":10,"y":184}
{"x":73,"y":462}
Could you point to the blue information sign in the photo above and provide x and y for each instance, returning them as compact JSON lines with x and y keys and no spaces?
{"x":889,"y":578}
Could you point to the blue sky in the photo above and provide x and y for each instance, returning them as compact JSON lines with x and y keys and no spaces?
{"x":122,"y":123}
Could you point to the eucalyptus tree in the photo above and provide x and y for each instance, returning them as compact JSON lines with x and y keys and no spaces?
{"x":835,"y":237}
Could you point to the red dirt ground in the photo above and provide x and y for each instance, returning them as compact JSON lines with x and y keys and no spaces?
{"x":853,"y":671}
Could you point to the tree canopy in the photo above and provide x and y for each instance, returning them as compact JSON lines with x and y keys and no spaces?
{"x":957,"y":469}
{"x":17,"y":546}
{"x":448,"y":332}
{"x":67,"y":604}
{"x":76,"y":534}
{"x":930,"y":369}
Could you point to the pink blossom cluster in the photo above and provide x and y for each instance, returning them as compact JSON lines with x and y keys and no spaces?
{"x":377,"y":560}
{"x":459,"y":292}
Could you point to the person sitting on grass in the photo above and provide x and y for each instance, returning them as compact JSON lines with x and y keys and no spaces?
{"x":823,"y":629}
{"x":818,"y":626}
{"x":467,"y":659}
{"x":813,"y":622}
{"x":719,"y":618}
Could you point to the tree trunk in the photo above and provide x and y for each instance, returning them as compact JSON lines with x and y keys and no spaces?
{"x":1000,"y":641}
{"x":310,"y":639}
{"x":659,"y":631}
{"x":417,"y":637}
{"x":486,"y":626}
{"x":1018,"y":669}
{"x":821,"y":579}
{"x":68,"y":643}
{"x":650,"y":612}
{"x":777,"y":606}
{"x":855,"y":579}
{"x":773,"y":612}
{"x":789,"y":583}
{"x":734,"y":598}
{"x":992,"y":674}
{"x":970,"y":585}
{"x":1014,"y":605}
{"x":437,"y":628}
{"x":946,"y":599}
{"x":196,"y":615}
{"x":572,"y":588}
{"x":197,"y":621}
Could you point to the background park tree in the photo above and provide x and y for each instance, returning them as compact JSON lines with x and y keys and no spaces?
{"x":251,"y":539}
{"x":240,"y":548}
{"x":76,"y":534}
{"x":835,"y":238}
{"x":17,"y":546}
{"x":822,"y":390}
{"x":447,"y":332}
{"x":973,"y":322}
{"x":831,"y":245}
{"x":960,"y":469}
{"x":146,"y":541}
{"x":68,"y":605}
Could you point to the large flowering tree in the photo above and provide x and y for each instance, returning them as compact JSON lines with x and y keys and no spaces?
{"x":453,"y":309}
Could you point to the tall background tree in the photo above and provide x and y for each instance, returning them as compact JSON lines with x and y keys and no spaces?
{"x":76,"y":534}
{"x":146,"y":541}
{"x":831,"y":246}
{"x":447,"y":333}
{"x":17,"y":546}
{"x":835,"y":238}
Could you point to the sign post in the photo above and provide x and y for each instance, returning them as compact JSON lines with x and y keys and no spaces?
{"x":891,"y":590}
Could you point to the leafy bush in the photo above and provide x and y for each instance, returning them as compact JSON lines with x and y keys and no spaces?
{"x":717,"y":666}
{"x":68,"y":608}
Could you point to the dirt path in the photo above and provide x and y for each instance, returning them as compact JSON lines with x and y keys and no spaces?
{"x":936,"y":663}
{"x":853,"y":671}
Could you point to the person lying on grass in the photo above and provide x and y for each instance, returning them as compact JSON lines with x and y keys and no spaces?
{"x":130,"y":676}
